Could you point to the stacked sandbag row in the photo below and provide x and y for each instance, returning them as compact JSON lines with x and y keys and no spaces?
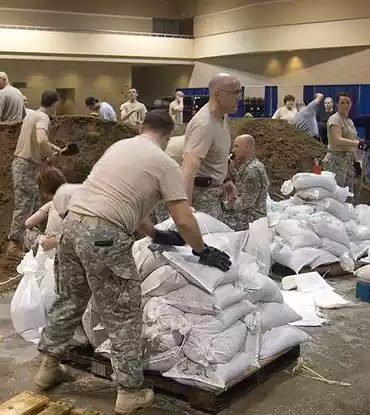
{"x":316,"y":226}
{"x":202,"y":326}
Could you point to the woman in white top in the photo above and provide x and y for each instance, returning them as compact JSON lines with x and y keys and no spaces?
{"x":288,"y":111}
{"x":176,"y":108}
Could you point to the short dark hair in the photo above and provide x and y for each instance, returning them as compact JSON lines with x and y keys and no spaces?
{"x":49,"y":97}
{"x":50,"y":179}
{"x":159,"y":121}
{"x":289,"y":98}
{"x":89,"y":101}
{"x":133,"y":88}
{"x":343,"y":94}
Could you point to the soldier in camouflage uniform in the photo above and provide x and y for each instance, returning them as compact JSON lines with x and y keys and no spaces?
{"x":247,"y":170}
{"x":95,"y":254}
{"x":32,"y":144}
{"x":207,"y":147}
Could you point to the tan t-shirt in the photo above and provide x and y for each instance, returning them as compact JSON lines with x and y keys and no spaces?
{"x":12,"y":106}
{"x":54,"y":220}
{"x":210,"y":140}
{"x":136,"y":117}
{"x":175,"y":148}
{"x":27,"y":146}
{"x":284,"y":113}
{"x":176,"y":111}
{"x":127,"y":183}
{"x":347,"y":127}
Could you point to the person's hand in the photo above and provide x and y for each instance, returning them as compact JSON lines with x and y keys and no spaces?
{"x":214,"y":258}
{"x":132,"y":111}
{"x":172,"y":238}
{"x":48,"y":242}
{"x":230,"y":190}
{"x":357,"y":167}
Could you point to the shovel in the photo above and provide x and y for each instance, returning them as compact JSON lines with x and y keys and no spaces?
{"x":69,"y":150}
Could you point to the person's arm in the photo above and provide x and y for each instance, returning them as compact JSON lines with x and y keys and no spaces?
{"x":276,"y":115}
{"x":197,"y":144}
{"x":311,"y":108}
{"x":340,"y":142}
{"x":36,"y":218}
{"x":143,"y":111}
{"x":126,"y":115}
{"x":172,"y":112}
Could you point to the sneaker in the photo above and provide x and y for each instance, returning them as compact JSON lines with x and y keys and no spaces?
{"x":130,"y":401}
{"x":51,"y":373}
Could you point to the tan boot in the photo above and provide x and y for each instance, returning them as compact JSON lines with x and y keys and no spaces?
{"x":51,"y":373}
{"x":14,"y":251}
{"x":130,"y":401}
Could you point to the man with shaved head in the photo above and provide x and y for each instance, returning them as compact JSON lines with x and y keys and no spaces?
{"x":12,"y":106}
{"x":207,"y":146}
{"x":252,"y":182}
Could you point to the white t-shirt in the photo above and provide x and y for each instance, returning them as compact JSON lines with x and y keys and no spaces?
{"x":106,"y":112}
{"x":284,"y":113}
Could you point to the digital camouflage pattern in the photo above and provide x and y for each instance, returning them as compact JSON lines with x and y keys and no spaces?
{"x":208,"y":200}
{"x":161,"y":212}
{"x":252,"y":184}
{"x":26,"y":196}
{"x":95,"y":259}
{"x":341,"y":163}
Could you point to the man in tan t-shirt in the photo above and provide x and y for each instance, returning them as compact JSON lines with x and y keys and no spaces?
{"x":95,"y":253}
{"x":132,"y":111}
{"x":207,"y":147}
{"x":12,"y":106}
{"x":32,"y":144}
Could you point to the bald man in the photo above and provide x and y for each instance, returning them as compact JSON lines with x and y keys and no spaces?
{"x":207,"y":146}
{"x":250,"y":175}
{"x":12,"y":106}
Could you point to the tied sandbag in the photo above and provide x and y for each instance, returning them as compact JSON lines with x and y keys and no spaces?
{"x":230,"y":242}
{"x":334,"y":247}
{"x":328,"y":226}
{"x":337,"y":209}
{"x":272,"y":315}
{"x":362,"y":215}
{"x":215,"y":348}
{"x":162,"y":281}
{"x":192,"y":299}
{"x":363,"y":273}
{"x":280,"y":339}
{"x":325,"y":258}
{"x":341,"y":194}
{"x":359,"y":248}
{"x":207,"y":224}
{"x":308,"y":180}
{"x":357,"y":232}
{"x":298,"y":233}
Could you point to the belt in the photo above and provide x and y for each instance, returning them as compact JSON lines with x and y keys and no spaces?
{"x":91,"y":220}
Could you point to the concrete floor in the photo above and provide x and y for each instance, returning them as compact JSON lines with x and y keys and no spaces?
{"x":339,"y":351}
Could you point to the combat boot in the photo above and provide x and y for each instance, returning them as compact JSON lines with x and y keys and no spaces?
{"x":14,"y":251}
{"x":130,"y":401}
{"x":51,"y":373}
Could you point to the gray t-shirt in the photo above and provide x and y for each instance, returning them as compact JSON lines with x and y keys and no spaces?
{"x":106,"y":112}
{"x":305,"y":119}
{"x":12,"y":106}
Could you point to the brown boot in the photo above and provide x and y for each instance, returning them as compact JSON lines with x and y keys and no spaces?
{"x":130,"y":401}
{"x":14,"y":251}
{"x":51,"y":373}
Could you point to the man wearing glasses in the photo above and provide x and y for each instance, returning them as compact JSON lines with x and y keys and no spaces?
{"x":207,"y":147}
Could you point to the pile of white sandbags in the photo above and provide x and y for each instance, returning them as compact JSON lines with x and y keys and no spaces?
{"x":317,"y":226}
{"x":202,"y":326}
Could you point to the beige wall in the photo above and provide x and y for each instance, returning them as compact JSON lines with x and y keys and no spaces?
{"x":155,"y":81}
{"x":103,"y":80}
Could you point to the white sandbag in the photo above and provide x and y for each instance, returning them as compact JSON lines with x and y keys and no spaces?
{"x":217,"y":348}
{"x":357,"y":232}
{"x":308,"y":180}
{"x":337,"y":209}
{"x":162,"y":362}
{"x":298,"y":233}
{"x":279,"y":339}
{"x":230,"y":242}
{"x":334,"y":247}
{"x":207,"y":224}
{"x":149,"y":261}
{"x":328,"y":226}
{"x":298,"y":211}
{"x":324,"y":259}
{"x":363,"y":273}
{"x":213,"y":378}
{"x":342,"y":194}
{"x":272,"y":315}
{"x":257,"y":244}
{"x":216,"y":324}
{"x":346,"y":262}
{"x":162,"y":281}
{"x":296,"y":259}
{"x":362,"y":215}
{"x":287,"y":188}
{"x":191,"y":299}
{"x":160,"y":341}
{"x":91,"y":323}
{"x":201,"y":275}
{"x":317,"y":193}
{"x":359,"y":248}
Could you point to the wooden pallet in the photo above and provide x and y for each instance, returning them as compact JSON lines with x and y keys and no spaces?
{"x":198,"y":399}
{"x":29,"y":403}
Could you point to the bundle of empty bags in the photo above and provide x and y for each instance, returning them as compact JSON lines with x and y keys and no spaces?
{"x":202,"y":326}
{"x":316,"y":226}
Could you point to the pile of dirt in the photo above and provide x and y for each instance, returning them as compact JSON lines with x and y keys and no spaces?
{"x":283,"y":149}
{"x":92,"y":136}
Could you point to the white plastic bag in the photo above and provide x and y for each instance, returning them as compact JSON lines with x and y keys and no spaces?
{"x":308,"y":180}
{"x":334,"y":247}
{"x":337,"y":209}
{"x":328,"y":226}
{"x":324,"y":258}
{"x":162,"y":281}
{"x":362,"y":215}
{"x":357,"y":232}
{"x":298,"y":233}
{"x":230,"y":242}
{"x":257,"y":244}
{"x":363,"y":273}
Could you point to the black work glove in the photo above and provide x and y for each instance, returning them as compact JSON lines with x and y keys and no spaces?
{"x":168,"y":238}
{"x":214,"y":258}
{"x":364,"y":145}
{"x":357,"y":167}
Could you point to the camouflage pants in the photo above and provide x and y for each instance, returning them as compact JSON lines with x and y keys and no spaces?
{"x":341,"y":163}
{"x":26,"y":196}
{"x":208,"y":200}
{"x":95,"y":258}
{"x":31,"y":238}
